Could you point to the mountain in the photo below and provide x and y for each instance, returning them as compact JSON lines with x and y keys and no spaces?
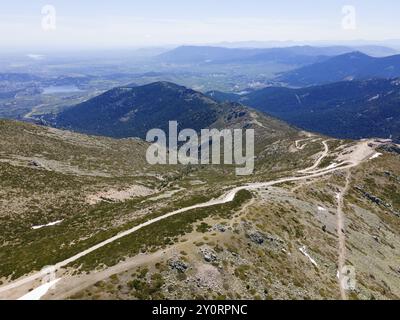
{"x":375,"y":50}
{"x":298,"y":55}
{"x":132,"y":111}
{"x":347,"y":109}
{"x":349,"y":66}
{"x":294,"y":55}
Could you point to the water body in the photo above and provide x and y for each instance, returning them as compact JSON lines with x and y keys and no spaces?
{"x":61,"y":89}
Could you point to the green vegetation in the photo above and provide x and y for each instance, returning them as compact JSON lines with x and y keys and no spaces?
{"x":328,"y":160}
{"x":145,"y":290}
{"x":203,"y":227}
{"x":158,"y":235}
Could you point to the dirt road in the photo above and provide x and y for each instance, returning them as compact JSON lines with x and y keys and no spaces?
{"x":341,"y":235}
{"x":318,"y":161}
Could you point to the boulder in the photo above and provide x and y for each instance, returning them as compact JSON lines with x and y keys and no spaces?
{"x":220,"y":228}
{"x":209,"y":255}
{"x":257,"y":237}
{"x":178,"y":265}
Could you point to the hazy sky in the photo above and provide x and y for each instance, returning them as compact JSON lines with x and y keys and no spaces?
{"x":129,"y":23}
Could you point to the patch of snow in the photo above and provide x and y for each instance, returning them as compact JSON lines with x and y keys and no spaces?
{"x":40,"y":291}
{"x":47,"y":225}
{"x":304,"y":252}
{"x":321,"y":208}
{"x":376,"y":155}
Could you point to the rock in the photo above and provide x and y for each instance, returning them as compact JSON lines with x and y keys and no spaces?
{"x":220,"y":228}
{"x":257,"y":237}
{"x":391,"y":175}
{"x":208,"y":255}
{"x":387,"y":173}
{"x":34,"y":163}
{"x":390,"y":147}
{"x":274,"y":239}
{"x":178,"y":265}
{"x":373,"y":198}
{"x":271,"y":241}
{"x":106,"y":199}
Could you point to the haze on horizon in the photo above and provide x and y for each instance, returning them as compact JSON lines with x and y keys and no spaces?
{"x":94,"y":24}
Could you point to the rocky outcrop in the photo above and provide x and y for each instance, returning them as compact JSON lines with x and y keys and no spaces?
{"x":390,"y":147}
{"x":208,"y":255}
{"x":273,"y":242}
{"x":373,"y":198}
{"x":378,"y":201}
{"x":257,"y":237}
{"x":220,"y":228}
{"x":178,"y":265}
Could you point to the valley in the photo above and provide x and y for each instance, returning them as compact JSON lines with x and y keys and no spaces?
{"x":84,"y":214}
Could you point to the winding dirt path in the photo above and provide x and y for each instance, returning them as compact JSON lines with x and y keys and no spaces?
{"x":318,"y":161}
{"x":341,"y":235}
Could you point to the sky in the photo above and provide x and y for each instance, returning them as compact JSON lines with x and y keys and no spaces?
{"x":81,"y":24}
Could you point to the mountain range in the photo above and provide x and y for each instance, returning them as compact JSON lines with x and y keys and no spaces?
{"x":297,"y":55}
{"x":346,"y":109}
{"x":294,"y":55}
{"x":348,"y":66}
{"x":131,"y":111}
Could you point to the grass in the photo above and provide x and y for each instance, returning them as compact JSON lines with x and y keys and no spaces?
{"x":34,"y":249}
{"x":145,"y":290}
{"x":158,"y":235}
{"x":203,"y":227}
{"x":328,"y":160}
{"x":33,"y":196}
